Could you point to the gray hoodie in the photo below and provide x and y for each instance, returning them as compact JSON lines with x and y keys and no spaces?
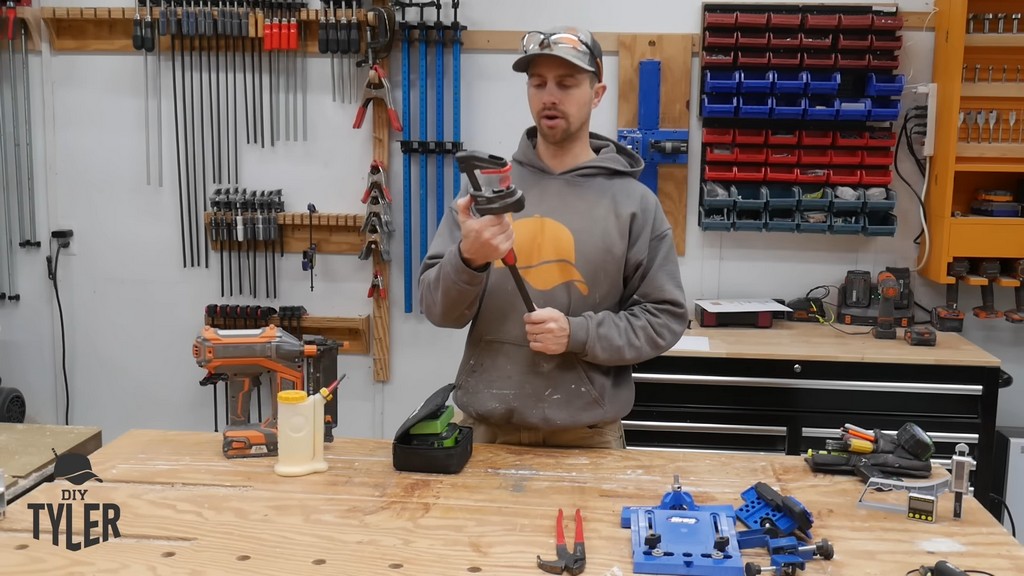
{"x":594,"y":243}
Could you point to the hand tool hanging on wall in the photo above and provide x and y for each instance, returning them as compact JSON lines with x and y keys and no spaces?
{"x":10,"y":20}
{"x":10,"y":291}
{"x":351,"y":39}
{"x":32,"y":241}
{"x":439,"y":43}
{"x":403,"y":26}
{"x":172,"y":29}
{"x":309,"y":254}
{"x":456,"y":28}
{"x":423,"y":39}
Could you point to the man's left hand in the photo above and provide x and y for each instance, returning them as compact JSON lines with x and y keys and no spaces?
{"x":547,"y":330}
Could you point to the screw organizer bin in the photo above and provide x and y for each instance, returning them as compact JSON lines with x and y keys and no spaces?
{"x":797,"y":100}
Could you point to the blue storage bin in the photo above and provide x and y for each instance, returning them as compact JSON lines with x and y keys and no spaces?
{"x":880,"y":224}
{"x":756,"y":106}
{"x":886,"y":205}
{"x":750,"y":196}
{"x":755,"y":82}
{"x":853,"y":108}
{"x":789,"y":106}
{"x":782,"y":196}
{"x":822,"y":81}
{"x":885,"y":84}
{"x":814,"y":197}
{"x":847,"y":205}
{"x":847,"y":223}
{"x":821,"y":108}
{"x":718,"y":106}
{"x":782,"y":220}
{"x":715,"y":219}
{"x":813,"y":221}
{"x":749,"y":220}
{"x":884,"y":110}
{"x":714,"y":200}
{"x":721,"y":81}
{"x":789,"y":82}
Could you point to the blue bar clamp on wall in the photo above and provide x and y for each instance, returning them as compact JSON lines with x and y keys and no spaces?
{"x":654,"y":145}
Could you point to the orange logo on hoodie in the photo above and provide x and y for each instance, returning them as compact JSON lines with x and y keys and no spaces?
{"x":546,"y":253}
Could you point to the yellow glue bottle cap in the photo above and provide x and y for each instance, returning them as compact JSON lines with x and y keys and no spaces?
{"x":291,"y":396}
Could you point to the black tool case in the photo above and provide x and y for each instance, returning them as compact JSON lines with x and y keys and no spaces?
{"x":443,"y":460}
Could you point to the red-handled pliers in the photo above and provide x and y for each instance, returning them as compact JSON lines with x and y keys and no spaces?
{"x":575,"y":562}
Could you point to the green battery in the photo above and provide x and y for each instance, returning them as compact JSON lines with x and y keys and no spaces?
{"x":446,"y":439}
{"x":435,"y":423}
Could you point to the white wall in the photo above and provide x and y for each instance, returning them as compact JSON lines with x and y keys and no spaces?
{"x":131,"y":311}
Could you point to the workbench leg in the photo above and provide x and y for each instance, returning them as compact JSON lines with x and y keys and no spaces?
{"x":983,"y":474}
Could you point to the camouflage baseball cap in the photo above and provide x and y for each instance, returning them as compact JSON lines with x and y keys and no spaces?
{"x":573,"y":44}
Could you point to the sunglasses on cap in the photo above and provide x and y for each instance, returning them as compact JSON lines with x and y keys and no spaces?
{"x":536,"y":41}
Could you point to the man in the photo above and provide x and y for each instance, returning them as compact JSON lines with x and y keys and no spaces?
{"x":596,"y":253}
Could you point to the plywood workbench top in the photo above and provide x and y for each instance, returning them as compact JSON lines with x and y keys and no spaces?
{"x":26,"y":451}
{"x":812,"y":341}
{"x":185,"y":509}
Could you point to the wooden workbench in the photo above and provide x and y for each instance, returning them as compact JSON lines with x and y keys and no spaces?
{"x":185,"y":509}
{"x":813,"y":341}
{"x":25,"y":451}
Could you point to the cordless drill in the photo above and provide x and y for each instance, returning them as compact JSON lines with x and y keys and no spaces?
{"x":888,"y":290}
{"x":1015,"y":270}
{"x":989,"y":270}
{"x":950,"y":318}
{"x":503,"y":199}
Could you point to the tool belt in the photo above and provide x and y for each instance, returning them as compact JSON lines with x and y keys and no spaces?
{"x":891,"y":455}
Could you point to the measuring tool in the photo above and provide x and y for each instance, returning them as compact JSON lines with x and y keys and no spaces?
{"x":504,"y":199}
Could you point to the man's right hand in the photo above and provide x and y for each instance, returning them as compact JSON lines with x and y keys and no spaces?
{"x":484,"y":239}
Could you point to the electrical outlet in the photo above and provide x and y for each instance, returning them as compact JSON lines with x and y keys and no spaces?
{"x":929,"y":137}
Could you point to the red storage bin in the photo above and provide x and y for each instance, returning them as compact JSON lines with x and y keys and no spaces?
{"x":888,"y":22}
{"x":719,"y":172}
{"x":855,"y":21}
{"x":718,"y":58}
{"x":752,"y":58}
{"x":850,"y":138}
{"x":750,"y":136}
{"x":853,"y":60}
{"x":847,"y":157}
{"x":782,"y":156}
{"x":812,"y":175}
{"x":818,"y":156}
{"x":821,"y":21}
{"x":879,"y":157}
{"x":883,"y":62}
{"x":752,"y":19}
{"x":819,"y":40}
{"x":819,"y":59}
{"x":784,"y":40}
{"x":779,"y":58}
{"x":778,"y":137}
{"x":881,"y":139}
{"x":778,"y":20}
{"x":847,"y":176}
{"x":780,"y":174}
{"x":886,"y":42}
{"x":751,"y":154}
{"x":751,"y":39}
{"x":720,"y":153}
{"x":815,"y":137}
{"x":719,"y":19}
{"x":720,"y":38}
{"x":853,"y":41}
{"x":717,"y":135}
{"x":876,"y":177}
{"x":750,"y":173}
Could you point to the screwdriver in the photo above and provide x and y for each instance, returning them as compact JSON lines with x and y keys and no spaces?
{"x":353,"y":48}
{"x":341,"y":47}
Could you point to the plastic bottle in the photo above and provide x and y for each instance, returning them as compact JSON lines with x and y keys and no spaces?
{"x":300,"y":431}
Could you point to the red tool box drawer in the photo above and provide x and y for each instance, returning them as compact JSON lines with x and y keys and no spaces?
{"x":750,"y":136}
{"x":717,"y":135}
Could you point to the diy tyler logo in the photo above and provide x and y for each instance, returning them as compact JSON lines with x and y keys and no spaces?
{"x":97,"y":521}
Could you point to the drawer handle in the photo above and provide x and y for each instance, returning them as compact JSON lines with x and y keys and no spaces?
{"x":915,"y":387}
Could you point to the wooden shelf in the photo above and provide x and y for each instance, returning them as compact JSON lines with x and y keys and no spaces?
{"x":981,"y":237}
{"x":990,"y":151}
{"x":353,"y":331}
{"x":986,"y":165}
{"x":995,"y":40}
{"x":333,"y":233}
{"x":993,"y":90}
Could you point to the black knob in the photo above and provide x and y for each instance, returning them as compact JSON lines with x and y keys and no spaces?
{"x":721,"y":543}
{"x":751,"y":569}
{"x":652,"y":540}
{"x":824,"y":549}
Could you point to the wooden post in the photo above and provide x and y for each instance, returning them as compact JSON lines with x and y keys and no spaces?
{"x":674,"y":52}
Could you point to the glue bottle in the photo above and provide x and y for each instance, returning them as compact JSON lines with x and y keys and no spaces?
{"x":300,"y":431}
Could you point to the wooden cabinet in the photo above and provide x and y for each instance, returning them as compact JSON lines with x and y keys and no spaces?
{"x":971,"y":157}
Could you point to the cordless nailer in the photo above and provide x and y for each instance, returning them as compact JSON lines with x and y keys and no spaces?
{"x":241,"y":357}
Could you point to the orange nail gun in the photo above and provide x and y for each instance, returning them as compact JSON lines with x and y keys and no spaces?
{"x":241,"y":357}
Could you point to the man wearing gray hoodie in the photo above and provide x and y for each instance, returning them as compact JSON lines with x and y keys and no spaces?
{"x":597,"y":256}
